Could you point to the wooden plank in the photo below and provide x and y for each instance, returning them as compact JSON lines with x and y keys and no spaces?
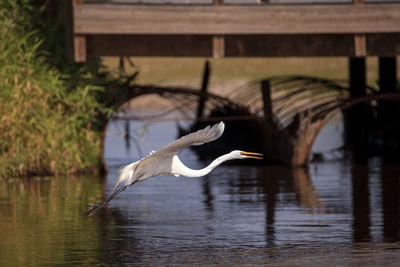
{"x":222,"y":20}
{"x":151,"y":45}
{"x":218,"y":40}
{"x":79,"y":40}
{"x":360,"y":45}
{"x":218,"y":2}
{"x":305,"y":45}
{"x":218,"y":46}
{"x":80,"y":48}
{"x":387,"y":45}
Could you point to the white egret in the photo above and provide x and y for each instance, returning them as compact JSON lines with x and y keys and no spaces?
{"x":165,"y":161}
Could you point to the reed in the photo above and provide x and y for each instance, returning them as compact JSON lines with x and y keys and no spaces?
{"x":50,"y":113}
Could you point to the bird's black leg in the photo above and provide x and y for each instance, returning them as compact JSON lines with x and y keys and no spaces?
{"x":95,"y":208}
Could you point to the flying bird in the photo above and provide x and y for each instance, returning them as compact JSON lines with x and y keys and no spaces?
{"x":166,"y":161}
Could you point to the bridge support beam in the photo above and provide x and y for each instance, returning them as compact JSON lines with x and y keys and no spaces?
{"x":75,"y":44}
{"x":204,"y":87}
{"x":388,"y":112}
{"x":266,"y":94}
{"x":357,"y":117}
{"x":387,"y":74}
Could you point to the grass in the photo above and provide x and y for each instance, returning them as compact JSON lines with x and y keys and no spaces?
{"x":49,"y":109}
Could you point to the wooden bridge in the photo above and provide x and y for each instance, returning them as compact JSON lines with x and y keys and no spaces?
{"x":237,"y":29}
{"x":251,"y":28}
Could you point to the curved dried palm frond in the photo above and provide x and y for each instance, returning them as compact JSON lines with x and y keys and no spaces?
{"x":291,"y":95}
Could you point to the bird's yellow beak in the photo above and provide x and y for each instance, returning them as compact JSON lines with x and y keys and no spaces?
{"x":252,"y":155}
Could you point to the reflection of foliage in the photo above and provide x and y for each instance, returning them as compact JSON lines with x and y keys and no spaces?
{"x":51,"y":110}
{"x":41,"y":221}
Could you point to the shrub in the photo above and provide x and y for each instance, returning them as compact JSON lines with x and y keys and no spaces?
{"x":50,"y":118}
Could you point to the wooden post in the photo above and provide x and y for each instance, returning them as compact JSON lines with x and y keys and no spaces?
{"x":68,"y":29}
{"x":357,"y":75}
{"x":266,"y":94}
{"x":360,"y":43}
{"x":218,"y":46}
{"x":387,"y":74}
{"x":204,"y":87}
{"x":75,"y":44}
{"x":218,"y":41}
{"x":357,"y":117}
{"x":80,"y":48}
{"x":388,"y":113}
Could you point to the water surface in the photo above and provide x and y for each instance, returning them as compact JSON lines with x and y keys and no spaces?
{"x":335,"y":213}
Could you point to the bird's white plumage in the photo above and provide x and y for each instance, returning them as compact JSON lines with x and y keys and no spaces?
{"x":200,"y":137}
{"x":160,"y":162}
{"x":165,"y":161}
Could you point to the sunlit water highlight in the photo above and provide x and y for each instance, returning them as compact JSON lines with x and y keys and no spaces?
{"x":334,"y":214}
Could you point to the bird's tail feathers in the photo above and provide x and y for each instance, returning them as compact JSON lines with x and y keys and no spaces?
{"x":126,"y":173}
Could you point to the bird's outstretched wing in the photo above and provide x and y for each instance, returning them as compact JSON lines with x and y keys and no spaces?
{"x":200,"y":137}
{"x":206,"y":135}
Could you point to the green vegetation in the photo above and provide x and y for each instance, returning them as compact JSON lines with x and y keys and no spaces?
{"x":51,"y":110}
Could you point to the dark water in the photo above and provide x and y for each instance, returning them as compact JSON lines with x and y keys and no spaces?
{"x":335,"y":213}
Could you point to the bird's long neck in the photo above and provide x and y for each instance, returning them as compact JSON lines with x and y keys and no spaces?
{"x":180,"y":168}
